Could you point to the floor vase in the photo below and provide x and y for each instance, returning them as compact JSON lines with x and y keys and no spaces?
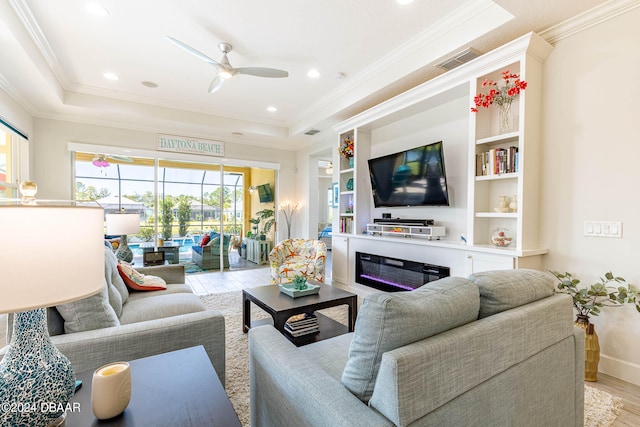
{"x":591,"y":349}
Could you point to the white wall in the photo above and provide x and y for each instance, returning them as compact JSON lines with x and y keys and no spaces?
{"x":305,"y":221}
{"x":448,"y":123}
{"x":591,"y":171}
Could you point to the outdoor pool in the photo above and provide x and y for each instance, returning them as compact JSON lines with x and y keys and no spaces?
{"x":185,"y":244}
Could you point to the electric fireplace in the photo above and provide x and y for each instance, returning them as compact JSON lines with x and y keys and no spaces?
{"x":392,"y":274}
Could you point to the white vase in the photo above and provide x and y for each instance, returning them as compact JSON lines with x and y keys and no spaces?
{"x":503,"y":204}
{"x":513,"y":204}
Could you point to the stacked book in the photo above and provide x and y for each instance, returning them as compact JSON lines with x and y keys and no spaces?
{"x":302,"y":324}
{"x":497,"y":161}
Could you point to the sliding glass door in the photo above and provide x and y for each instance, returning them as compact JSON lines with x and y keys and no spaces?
{"x":178,"y":202}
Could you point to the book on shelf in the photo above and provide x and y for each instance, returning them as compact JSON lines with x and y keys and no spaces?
{"x":497,"y":161}
{"x":301,"y":332}
{"x":302,"y":324}
{"x":346,"y":225}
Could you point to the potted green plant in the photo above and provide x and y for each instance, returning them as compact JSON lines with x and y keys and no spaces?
{"x":588,"y":301}
{"x":268,"y":216}
{"x":256,"y":223}
{"x":610,"y":291}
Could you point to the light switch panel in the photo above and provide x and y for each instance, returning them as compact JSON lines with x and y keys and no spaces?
{"x":603,"y":228}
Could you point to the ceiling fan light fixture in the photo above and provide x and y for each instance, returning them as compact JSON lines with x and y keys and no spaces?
{"x":100,"y":162}
{"x":224,"y":74}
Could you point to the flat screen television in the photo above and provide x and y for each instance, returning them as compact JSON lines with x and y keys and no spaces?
{"x":265,"y":193}
{"x":414,"y":177}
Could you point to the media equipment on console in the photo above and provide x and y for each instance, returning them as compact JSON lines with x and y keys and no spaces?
{"x":390,"y":220}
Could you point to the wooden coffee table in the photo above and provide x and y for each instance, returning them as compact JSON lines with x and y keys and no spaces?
{"x":281,"y":307}
{"x":179,"y":388}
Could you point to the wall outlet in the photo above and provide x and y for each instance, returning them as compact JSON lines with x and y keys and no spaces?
{"x":603,"y":229}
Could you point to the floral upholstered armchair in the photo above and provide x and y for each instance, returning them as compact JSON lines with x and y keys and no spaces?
{"x":294,"y":257}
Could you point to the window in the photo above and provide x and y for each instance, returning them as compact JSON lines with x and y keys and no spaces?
{"x":9,"y":155}
{"x":192,"y":198}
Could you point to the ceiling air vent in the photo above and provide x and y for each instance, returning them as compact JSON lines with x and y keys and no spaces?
{"x":458,"y":59}
{"x":311,"y":132}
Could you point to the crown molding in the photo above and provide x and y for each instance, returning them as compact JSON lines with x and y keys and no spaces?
{"x":588,"y":19}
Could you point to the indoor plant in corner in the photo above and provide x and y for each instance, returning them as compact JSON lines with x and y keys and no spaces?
{"x":588,"y":302}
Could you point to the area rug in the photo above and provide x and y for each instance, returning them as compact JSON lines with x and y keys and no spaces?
{"x":601,"y":408}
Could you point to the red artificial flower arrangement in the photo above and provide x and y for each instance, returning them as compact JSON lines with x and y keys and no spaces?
{"x":500,"y":95}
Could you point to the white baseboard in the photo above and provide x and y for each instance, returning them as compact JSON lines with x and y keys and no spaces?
{"x":626,"y":371}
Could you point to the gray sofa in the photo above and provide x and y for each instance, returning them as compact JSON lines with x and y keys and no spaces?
{"x":120,"y":324}
{"x":496,"y":349}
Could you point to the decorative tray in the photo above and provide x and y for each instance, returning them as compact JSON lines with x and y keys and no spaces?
{"x":289,"y":289}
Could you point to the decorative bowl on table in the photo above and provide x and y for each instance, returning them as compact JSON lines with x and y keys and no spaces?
{"x":290,"y":289}
{"x":501,"y":237}
{"x":299,"y":287}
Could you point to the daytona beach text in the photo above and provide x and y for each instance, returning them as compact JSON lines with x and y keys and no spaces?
{"x":185,"y":145}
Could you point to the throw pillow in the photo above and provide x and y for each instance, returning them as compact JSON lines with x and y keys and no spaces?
{"x":89,"y":313}
{"x":506,"y":289}
{"x":205,"y":240}
{"x":140,"y":282}
{"x":387,"y":321}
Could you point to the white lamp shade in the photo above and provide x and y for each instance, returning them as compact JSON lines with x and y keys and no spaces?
{"x":50,"y":255}
{"x":123,"y":223}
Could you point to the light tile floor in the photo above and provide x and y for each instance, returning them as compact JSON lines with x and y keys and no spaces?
{"x":228,"y":280}
{"x":237,"y":279}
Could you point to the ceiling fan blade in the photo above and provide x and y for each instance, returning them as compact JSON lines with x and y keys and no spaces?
{"x":216,"y":83}
{"x":121,"y":158}
{"x":193,"y":51}
{"x":261,"y":72}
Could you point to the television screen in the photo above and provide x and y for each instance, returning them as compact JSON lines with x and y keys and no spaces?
{"x":265,"y":193}
{"x":414,"y":177}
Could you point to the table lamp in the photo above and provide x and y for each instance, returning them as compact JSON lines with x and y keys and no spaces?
{"x":51,"y":254}
{"x":123,"y":224}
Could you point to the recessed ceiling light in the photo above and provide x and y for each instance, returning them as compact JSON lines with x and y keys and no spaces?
{"x":111,"y":76}
{"x":313,"y":73}
{"x":272,"y":109}
{"x":403,"y":2}
{"x":150,"y":84}
{"x":96,"y":9}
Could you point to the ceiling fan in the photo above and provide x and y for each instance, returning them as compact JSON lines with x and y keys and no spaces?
{"x":224,"y":69}
{"x":100,"y":160}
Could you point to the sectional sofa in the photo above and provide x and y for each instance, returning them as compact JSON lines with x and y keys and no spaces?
{"x":496,"y":349}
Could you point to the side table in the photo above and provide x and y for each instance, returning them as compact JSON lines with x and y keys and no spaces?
{"x":258,"y":251}
{"x":171,"y":251}
{"x":179,"y":388}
